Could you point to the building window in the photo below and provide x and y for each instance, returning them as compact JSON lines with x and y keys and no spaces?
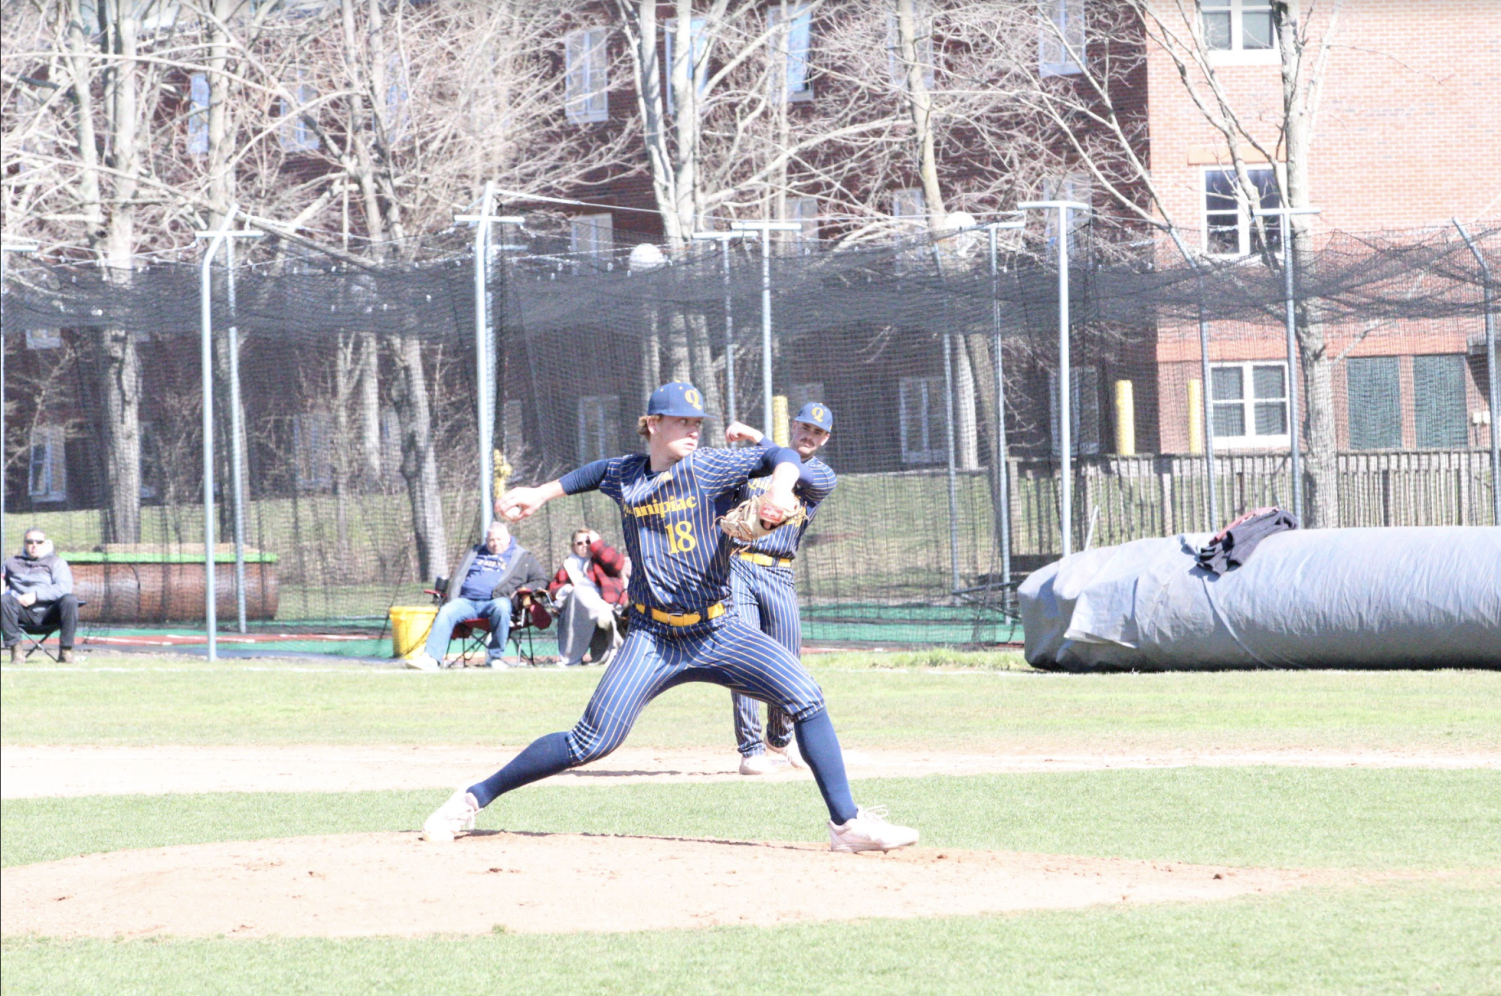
{"x":1060,"y":37}
{"x":44,"y":339}
{"x":295,"y":134}
{"x":1238,"y":25}
{"x":47,"y":467}
{"x":592,"y":236}
{"x":804,"y":210}
{"x":587,"y":75}
{"x":1249,"y":404}
{"x":1076,"y":187}
{"x":1084,"y":413}
{"x":312,"y":448}
{"x":1373,"y":394}
{"x":1229,"y":229}
{"x":922,"y":42}
{"x":792,"y":38}
{"x":909,"y":208}
{"x":598,"y":419}
{"x":698,"y":66}
{"x":1439,"y":405}
{"x":922,"y":419}
{"x":398,"y":101}
{"x":198,"y":101}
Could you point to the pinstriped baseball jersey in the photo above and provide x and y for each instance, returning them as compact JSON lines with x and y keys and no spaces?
{"x":814,"y":485}
{"x":682,"y":558}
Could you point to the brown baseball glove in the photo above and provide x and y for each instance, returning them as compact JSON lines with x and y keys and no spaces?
{"x":757,"y":516}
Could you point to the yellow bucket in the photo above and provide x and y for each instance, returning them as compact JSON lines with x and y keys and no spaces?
{"x":410,"y":625}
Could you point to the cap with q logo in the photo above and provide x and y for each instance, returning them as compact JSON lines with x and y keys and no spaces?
{"x":816,"y":413}
{"x":678,"y":398}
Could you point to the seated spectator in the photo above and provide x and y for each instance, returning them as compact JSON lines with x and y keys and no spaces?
{"x":38,"y":594}
{"x":492,"y":573}
{"x":589,"y":587}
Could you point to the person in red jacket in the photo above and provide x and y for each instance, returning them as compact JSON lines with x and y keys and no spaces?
{"x":588,"y":588}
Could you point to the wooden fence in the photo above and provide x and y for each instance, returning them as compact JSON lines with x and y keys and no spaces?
{"x":1162,"y":495}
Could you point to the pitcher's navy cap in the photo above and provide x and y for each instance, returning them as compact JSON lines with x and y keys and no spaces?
{"x":816,"y":413}
{"x":678,"y":398}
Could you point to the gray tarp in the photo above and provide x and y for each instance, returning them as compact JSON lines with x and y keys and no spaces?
{"x":1393,"y":597}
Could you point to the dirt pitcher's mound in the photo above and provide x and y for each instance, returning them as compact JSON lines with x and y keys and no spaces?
{"x":394,"y":883}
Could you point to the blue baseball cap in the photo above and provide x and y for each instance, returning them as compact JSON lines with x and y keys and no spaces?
{"x":816,"y":413}
{"x":678,"y":398}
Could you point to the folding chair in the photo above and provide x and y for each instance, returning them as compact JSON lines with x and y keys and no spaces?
{"x":530,"y":611}
{"x":35,"y":638}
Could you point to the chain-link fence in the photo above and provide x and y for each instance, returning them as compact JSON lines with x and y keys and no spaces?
{"x":360,"y":404}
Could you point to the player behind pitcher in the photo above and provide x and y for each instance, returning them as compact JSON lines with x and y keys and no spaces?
{"x":670,"y":499}
{"x":763,"y":587}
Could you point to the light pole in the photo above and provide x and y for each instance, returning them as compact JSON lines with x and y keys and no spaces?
{"x":724,"y":239}
{"x":1204,"y":399}
{"x":1003,"y":468}
{"x":1065,"y":394}
{"x":216,"y":237}
{"x":1492,"y":375}
{"x":766,"y":228}
{"x":7,"y":246}
{"x":1290,"y":297}
{"x":484,"y":351}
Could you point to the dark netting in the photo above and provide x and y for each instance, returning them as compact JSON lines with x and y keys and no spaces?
{"x":358,"y":387}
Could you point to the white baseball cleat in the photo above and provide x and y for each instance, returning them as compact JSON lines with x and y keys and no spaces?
{"x":423,"y":662}
{"x":755,"y":764}
{"x":456,"y":814}
{"x":790,"y":752}
{"x":869,"y":831}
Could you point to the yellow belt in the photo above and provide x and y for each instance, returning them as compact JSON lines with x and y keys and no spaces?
{"x":686,"y":619}
{"x":766,"y":561}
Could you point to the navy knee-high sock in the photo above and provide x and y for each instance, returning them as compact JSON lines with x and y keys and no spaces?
{"x":820,"y":747}
{"x":544,"y":756}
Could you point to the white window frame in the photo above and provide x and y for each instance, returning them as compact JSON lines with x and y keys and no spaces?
{"x":791,"y":46}
{"x":1245,"y":223}
{"x":909,"y":208}
{"x":698,"y":64}
{"x":591,"y":238}
{"x":1084,"y":435}
{"x":1237,"y":53}
{"x":44,"y":338}
{"x":294,"y":134}
{"x":1077,"y":186}
{"x":599,"y":418}
{"x":926,"y":52}
{"x":398,"y":101}
{"x":1251,"y":440}
{"x":312,"y":448}
{"x":586,"y":75}
{"x":806,"y":211}
{"x":198,"y":104}
{"x":47,"y":477}
{"x":1061,"y":29}
{"x":922,"y":437}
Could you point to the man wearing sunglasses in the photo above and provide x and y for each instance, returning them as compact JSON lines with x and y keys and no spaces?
{"x":38,"y":595}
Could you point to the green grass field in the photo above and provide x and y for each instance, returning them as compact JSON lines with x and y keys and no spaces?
{"x":1411,"y":902}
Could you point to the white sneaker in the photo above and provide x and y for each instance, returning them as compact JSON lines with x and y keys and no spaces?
{"x":790,"y":752}
{"x":869,"y":831}
{"x":454,"y":815}
{"x":755,"y":764}
{"x":423,"y":662}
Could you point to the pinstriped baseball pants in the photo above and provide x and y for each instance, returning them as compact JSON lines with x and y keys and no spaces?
{"x":650,"y":662}
{"x":765,"y":598}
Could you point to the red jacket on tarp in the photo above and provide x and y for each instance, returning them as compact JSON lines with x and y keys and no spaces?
{"x":606,"y":570}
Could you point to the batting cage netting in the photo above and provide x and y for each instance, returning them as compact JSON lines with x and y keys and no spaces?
{"x":360,"y":387}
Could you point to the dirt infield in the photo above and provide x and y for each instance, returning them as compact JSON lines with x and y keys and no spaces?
{"x":29,"y":772}
{"x":396,"y":884}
